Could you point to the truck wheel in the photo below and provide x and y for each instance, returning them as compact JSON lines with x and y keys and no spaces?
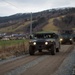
{"x":31,"y":50}
{"x":57,"y":49}
{"x":53,"y":50}
{"x":40,"y":50}
{"x":71,"y":42}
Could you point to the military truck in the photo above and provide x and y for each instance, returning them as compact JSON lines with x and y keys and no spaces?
{"x":66,"y":38}
{"x":44,"y":41}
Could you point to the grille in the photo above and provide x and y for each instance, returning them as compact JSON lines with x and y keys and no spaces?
{"x":40,"y":43}
{"x":66,"y":39}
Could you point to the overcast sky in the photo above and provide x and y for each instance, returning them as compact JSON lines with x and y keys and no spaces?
{"x":9,"y":7}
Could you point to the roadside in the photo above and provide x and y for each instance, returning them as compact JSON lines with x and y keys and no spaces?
{"x":66,"y":67}
{"x":10,"y":59}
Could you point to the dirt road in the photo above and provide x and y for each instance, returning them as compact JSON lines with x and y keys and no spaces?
{"x":45,"y":64}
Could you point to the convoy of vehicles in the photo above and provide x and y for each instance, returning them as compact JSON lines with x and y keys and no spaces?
{"x":49,"y":41}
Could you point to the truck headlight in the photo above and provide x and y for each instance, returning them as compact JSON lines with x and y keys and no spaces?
{"x":61,"y":39}
{"x":46,"y":43}
{"x":70,"y":39}
{"x":34,"y":43}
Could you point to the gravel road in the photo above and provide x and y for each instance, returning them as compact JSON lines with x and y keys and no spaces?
{"x":50,"y":64}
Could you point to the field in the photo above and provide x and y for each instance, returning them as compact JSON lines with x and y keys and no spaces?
{"x":11,"y":42}
{"x":9,"y":48}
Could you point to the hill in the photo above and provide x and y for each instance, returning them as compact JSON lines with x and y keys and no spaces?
{"x":47,"y":20}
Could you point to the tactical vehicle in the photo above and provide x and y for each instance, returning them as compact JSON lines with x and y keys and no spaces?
{"x":44,"y":41}
{"x":66,"y":38}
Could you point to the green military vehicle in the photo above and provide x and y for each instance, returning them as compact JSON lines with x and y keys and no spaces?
{"x":44,"y":41}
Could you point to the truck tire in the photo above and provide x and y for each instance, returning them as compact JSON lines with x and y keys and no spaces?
{"x":57,"y":49}
{"x":71,"y":42}
{"x":40,"y":50}
{"x":31,"y":50}
{"x":53,"y":50}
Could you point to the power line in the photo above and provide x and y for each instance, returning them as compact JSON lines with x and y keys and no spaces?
{"x":12,"y":5}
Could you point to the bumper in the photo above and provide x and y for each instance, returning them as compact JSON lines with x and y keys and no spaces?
{"x":66,"y":41}
{"x":37,"y":47}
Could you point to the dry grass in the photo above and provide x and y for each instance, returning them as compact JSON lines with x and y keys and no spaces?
{"x":50,"y":26}
{"x":14,"y":50}
{"x":14,"y":27}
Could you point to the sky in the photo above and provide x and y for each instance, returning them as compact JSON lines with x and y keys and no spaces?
{"x":10,"y":7}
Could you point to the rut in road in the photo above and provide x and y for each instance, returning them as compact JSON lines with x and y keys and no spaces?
{"x":4,"y":68}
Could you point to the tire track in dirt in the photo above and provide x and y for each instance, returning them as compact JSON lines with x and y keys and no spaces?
{"x":50,"y":64}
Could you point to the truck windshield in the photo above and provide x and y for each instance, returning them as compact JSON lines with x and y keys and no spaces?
{"x":44,"y":36}
{"x":66,"y":35}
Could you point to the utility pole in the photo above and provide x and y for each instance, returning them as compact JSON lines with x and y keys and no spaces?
{"x":31,"y":24}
